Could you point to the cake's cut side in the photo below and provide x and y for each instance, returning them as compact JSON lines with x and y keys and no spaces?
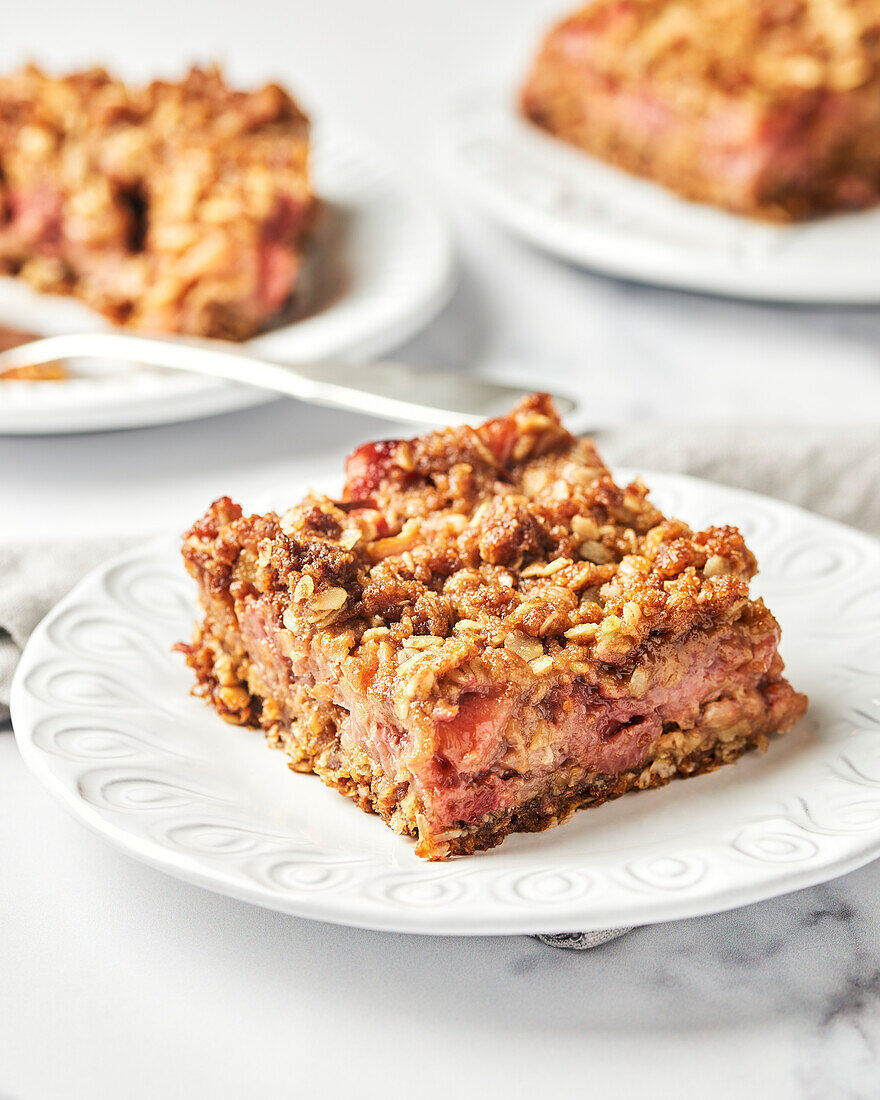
{"x":178,"y":207}
{"x":485,"y":633}
{"x":768,"y":109}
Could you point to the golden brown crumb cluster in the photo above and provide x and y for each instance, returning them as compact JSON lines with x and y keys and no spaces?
{"x":177,"y":206}
{"x":751,"y":47}
{"x":508,"y":543}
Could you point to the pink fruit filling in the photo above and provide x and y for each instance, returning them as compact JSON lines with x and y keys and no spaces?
{"x":497,"y":747}
{"x":279,"y":264}
{"x":33,"y":219}
{"x":493,"y":739}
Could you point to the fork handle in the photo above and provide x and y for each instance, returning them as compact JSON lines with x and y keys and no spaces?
{"x":378,"y":388}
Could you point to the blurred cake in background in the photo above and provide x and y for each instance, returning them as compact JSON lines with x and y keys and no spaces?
{"x":769,"y":108}
{"x":176,"y":207}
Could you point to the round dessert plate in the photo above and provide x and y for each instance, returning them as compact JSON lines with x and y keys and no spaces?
{"x":381,"y":267}
{"x":103,"y":716}
{"x":596,"y":216}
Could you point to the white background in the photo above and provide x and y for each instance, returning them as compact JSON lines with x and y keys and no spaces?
{"x":117,"y":981}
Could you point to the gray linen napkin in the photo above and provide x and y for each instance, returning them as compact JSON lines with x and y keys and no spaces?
{"x":831,"y":469}
{"x":32,"y":580}
{"x":834,"y":470}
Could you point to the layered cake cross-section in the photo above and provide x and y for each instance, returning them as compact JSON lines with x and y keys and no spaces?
{"x":484,"y":633}
{"x":770,"y":108}
{"x":180,"y":206}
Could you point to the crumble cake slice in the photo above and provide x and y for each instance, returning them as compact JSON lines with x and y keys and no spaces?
{"x":175,"y":207}
{"x":485,"y":633}
{"x":770,"y":108}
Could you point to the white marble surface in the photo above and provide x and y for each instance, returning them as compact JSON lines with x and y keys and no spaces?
{"x":117,"y":981}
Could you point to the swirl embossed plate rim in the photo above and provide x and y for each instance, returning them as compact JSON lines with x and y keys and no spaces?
{"x":597,"y":216}
{"x":103,"y":717}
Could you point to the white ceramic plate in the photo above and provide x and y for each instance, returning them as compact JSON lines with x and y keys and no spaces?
{"x":599,"y":217}
{"x":385,"y":270}
{"x":103,"y":716}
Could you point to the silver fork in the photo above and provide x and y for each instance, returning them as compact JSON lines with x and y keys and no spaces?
{"x":387,"y":389}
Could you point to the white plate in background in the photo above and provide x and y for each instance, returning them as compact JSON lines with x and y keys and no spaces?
{"x":385,"y":270}
{"x":599,"y":217}
{"x":103,"y":716}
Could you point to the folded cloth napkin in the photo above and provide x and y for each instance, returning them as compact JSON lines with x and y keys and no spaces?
{"x":830,"y":469}
{"x":583,"y":941}
{"x":833,"y":470}
{"x":32,"y":580}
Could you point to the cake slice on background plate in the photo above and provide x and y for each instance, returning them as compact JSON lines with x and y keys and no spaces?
{"x":175,"y":207}
{"x":769,"y":108}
